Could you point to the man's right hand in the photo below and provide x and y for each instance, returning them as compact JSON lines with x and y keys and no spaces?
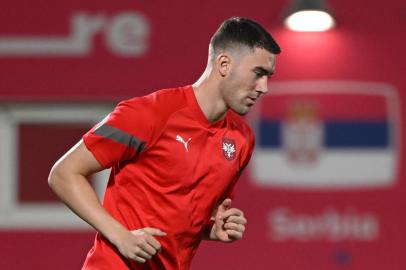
{"x":140,"y":245}
{"x":68,"y":179}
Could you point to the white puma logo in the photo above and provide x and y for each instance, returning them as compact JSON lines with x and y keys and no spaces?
{"x":180,"y":139}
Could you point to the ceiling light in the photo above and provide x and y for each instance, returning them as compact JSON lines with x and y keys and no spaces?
{"x":309,"y":16}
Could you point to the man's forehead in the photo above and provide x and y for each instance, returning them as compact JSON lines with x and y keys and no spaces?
{"x":262,"y":58}
{"x":254,"y":57}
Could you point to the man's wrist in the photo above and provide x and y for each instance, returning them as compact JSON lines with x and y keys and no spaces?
{"x":209,"y":233}
{"x":212,"y":235}
{"x":116,"y":234}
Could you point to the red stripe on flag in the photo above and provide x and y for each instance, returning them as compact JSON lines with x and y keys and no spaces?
{"x":326,"y":106}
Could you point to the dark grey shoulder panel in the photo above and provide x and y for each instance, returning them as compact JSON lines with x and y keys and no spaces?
{"x":120,"y":136}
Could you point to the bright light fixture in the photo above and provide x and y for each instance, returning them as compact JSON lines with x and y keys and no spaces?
{"x":310,"y":21}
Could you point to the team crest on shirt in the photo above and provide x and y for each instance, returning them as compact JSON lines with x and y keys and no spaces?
{"x":229,"y":149}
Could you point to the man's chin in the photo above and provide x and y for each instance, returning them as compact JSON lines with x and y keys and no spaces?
{"x":242,"y":111}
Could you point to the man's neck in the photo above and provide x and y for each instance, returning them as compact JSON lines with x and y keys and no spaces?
{"x":209,"y":98}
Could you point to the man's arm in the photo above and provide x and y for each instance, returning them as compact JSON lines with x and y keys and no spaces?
{"x":68,"y":179}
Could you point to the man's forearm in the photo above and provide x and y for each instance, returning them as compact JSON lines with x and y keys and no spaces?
{"x":76,"y":192}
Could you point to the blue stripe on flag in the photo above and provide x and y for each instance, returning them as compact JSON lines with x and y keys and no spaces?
{"x":338,"y":134}
{"x":270,"y":133}
{"x":356,"y":134}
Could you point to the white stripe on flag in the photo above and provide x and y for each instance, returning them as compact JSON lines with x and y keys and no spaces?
{"x":333,"y":169}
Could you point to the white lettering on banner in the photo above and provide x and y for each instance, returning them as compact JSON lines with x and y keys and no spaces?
{"x":126,"y":34}
{"x":330,"y":225}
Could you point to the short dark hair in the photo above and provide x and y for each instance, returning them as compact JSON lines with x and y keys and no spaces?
{"x":237,"y":31}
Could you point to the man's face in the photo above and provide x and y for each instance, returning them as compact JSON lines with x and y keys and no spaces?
{"x":247,"y":79}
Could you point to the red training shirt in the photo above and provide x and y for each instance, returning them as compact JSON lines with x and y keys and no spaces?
{"x":170,"y":167}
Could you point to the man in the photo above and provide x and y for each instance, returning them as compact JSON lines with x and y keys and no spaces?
{"x":175,"y":156}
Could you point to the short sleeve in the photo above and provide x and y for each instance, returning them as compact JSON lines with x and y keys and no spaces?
{"x":123,"y":134}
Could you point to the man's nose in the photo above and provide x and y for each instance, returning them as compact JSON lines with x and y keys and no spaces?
{"x":262,"y":85}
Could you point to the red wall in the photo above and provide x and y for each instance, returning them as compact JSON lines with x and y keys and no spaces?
{"x":367,"y":46}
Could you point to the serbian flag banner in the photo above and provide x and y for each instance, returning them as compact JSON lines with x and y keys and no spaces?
{"x":326,"y":134}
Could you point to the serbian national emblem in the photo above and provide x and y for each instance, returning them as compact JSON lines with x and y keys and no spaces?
{"x":229,"y":149}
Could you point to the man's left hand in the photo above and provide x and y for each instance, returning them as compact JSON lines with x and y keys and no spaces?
{"x":229,"y":224}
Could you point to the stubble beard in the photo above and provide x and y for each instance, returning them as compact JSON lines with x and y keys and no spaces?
{"x":233,"y":101}
{"x":235,"y":104}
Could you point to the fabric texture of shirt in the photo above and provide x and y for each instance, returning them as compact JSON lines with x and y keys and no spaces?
{"x":170,"y":168}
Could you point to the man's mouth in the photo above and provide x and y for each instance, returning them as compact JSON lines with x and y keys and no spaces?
{"x":251,"y":100}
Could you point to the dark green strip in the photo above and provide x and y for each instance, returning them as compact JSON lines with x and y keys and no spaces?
{"x":120,"y":136}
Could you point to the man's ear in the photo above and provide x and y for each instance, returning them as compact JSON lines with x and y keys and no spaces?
{"x":223,"y":63}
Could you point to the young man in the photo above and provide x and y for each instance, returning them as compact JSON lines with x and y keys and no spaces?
{"x":175,"y":156}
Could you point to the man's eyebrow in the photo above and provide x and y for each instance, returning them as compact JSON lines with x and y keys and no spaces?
{"x":263,"y":71}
